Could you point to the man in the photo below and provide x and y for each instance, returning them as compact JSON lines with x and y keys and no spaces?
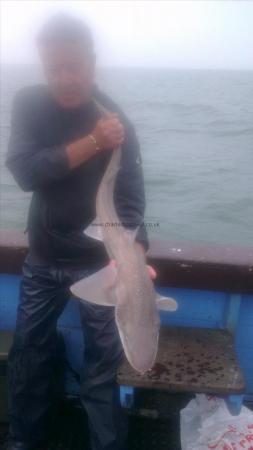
{"x":59,"y":148}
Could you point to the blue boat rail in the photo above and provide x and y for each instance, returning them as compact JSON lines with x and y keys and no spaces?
{"x":205,"y":346}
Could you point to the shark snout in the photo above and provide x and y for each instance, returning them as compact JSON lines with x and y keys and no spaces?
{"x":141,"y":349}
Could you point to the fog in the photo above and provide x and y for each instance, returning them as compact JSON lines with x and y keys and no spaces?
{"x":178,"y":34}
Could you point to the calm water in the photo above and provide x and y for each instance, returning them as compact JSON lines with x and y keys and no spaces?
{"x":196,"y":135}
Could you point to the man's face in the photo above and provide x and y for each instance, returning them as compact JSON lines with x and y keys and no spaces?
{"x":69,"y":72}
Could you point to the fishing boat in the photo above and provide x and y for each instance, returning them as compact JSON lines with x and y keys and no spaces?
{"x":206,"y":346}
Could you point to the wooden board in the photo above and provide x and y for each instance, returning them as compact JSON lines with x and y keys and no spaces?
{"x":190,"y":360}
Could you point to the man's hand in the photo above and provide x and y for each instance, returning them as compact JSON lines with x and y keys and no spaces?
{"x":109,"y":132}
{"x":151,"y":270}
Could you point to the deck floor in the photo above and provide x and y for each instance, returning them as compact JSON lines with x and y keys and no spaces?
{"x":145,"y":433}
{"x":70,"y":431}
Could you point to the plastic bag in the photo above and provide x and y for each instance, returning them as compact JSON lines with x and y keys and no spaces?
{"x":206,"y":424}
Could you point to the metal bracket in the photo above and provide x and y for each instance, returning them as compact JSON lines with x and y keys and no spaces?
{"x":234,"y":404}
{"x":127,"y":396}
{"x":232,"y":313}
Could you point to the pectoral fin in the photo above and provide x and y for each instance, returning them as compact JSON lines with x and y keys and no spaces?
{"x":97,"y":288}
{"x":166,"y":303}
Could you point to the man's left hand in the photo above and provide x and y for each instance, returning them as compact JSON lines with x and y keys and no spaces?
{"x":151,"y":270}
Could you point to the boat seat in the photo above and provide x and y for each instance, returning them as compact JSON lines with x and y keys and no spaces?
{"x":198,"y":360}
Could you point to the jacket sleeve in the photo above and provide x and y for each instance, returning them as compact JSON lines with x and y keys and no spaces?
{"x":129,"y":188}
{"x":32,"y":167}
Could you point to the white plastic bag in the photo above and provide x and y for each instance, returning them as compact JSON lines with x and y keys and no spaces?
{"x":206,"y":424}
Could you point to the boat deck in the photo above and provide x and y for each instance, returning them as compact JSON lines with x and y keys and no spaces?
{"x":146,"y":431}
{"x":214,"y":288}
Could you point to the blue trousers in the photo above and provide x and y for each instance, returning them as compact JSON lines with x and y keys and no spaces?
{"x":44,"y":293}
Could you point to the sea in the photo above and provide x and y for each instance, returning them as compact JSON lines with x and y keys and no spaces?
{"x":195,"y":129}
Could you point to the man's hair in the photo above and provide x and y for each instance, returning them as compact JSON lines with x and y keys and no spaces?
{"x":65,"y":29}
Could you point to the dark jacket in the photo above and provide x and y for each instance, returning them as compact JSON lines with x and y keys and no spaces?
{"x":63,"y":200}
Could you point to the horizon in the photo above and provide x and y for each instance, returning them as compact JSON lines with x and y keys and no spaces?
{"x":155,"y":68}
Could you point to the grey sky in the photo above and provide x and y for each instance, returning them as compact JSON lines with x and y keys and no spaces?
{"x":196,"y":34}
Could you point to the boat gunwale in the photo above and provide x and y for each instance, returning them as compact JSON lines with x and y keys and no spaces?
{"x":178,"y":263}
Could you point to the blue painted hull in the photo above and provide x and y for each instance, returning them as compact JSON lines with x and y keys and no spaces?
{"x":197,"y":308}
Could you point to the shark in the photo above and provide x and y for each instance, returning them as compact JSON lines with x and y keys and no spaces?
{"x":125,"y":285}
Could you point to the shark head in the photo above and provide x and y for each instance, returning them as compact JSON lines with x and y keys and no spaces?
{"x":138,"y":327}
